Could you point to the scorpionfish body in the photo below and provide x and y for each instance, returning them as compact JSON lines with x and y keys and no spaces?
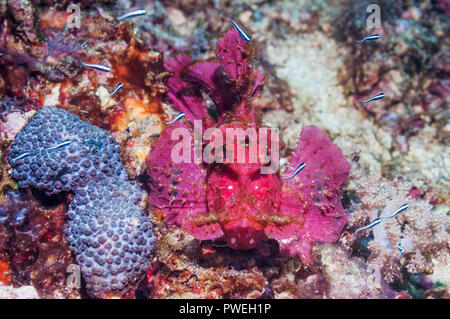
{"x":232,"y":197}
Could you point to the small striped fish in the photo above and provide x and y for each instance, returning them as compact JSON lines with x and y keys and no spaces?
{"x":99,"y":67}
{"x":372,"y":37}
{"x":63,"y":143}
{"x":178,"y":117}
{"x":21,"y":156}
{"x":241,"y":32}
{"x":103,"y":13}
{"x":116,"y":89}
{"x":398,"y":211}
{"x":400,"y":248}
{"x":132,"y":14}
{"x":375,"y":222}
{"x":298,"y":170}
{"x":379,"y":96}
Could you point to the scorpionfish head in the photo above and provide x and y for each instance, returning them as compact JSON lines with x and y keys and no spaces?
{"x":244,"y":189}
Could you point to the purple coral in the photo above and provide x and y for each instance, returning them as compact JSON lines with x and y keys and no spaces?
{"x":57,"y":152}
{"x":107,"y":230}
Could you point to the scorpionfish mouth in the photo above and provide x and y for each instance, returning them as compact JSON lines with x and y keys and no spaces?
{"x":243,"y":233}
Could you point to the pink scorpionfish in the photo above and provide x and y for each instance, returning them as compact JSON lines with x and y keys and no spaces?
{"x":231,"y":198}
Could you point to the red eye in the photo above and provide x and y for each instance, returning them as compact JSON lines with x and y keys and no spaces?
{"x":263,"y":186}
{"x":259,"y":187}
{"x":226,"y":186}
{"x":223,"y":189}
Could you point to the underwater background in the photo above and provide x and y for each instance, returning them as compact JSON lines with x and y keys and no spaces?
{"x":92,"y":204}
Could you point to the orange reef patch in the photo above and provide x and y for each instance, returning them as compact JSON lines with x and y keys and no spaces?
{"x":5,"y":272}
{"x":53,"y":18}
{"x":143,"y":76}
{"x":134,"y":110}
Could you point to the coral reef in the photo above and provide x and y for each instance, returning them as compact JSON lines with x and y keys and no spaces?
{"x":23,"y":292}
{"x":50,"y":72}
{"x":337,"y":275}
{"x":421,"y":231}
{"x":305,"y":36}
{"x":188,"y":269}
{"x":240,"y":204}
{"x":408,"y":65}
{"x":57,"y":152}
{"x":207,"y":217}
{"x":33,"y":244}
{"x":6,"y":182}
{"x":110,"y":236}
{"x":5,"y":272}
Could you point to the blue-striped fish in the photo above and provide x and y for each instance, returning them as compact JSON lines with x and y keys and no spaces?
{"x":398,"y":211}
{"x":116,"y":89}
{"x":375,"y":222}
{"x":99,"y":67}
{"x":21,"y":156}
{"x":103,"y":13}
{"x":63,"y":143}
{"x":400,"y":248}
{"x":132,"y":14}
{"x":241,"y":32}
{"x":178,"y":117}
{"x":298,"y":170}
{"x":379,"y":96}
{"x":372,"y":37}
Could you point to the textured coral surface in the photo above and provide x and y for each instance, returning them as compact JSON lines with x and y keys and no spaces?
{"x":107,"y":231}
{"x":50,"y":165}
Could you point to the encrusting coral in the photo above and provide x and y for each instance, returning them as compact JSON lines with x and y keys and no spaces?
{"x":110,"y":236}
{"x":56,"y":151}
{"x":107,"y":229}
